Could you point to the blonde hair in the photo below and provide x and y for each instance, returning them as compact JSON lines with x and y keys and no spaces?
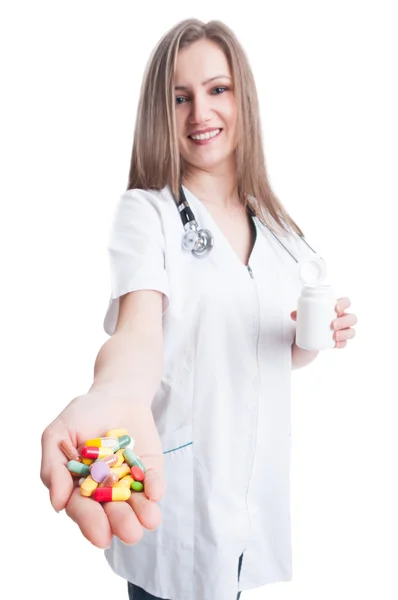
{"x":155,"y":160}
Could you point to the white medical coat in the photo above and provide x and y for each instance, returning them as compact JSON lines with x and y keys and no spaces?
{"x":223,"y":405}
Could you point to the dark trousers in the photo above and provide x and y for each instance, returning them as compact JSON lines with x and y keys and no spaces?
{"x":137,"y":593}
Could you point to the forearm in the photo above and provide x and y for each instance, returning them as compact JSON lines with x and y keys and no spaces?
{"x":130,"y":365}
{"x":301,"y":357}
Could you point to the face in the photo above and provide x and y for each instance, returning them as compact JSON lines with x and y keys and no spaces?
{"x":206,"y":111}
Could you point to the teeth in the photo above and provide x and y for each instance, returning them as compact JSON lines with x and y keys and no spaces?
{"x":206,"y":136}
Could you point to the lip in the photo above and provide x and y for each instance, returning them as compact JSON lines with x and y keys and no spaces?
{"x":200,"y":131}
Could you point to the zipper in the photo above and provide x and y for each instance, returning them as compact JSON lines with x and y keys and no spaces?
{"x":250,"y":271}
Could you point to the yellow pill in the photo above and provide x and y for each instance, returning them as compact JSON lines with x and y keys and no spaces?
{"x":88,"y":486}
{"x":116,"y":433}
{"x":87,"y":461}
{"x":121,"y":471}
{"x":120,"y":458}
{"x":124,"y":481}
{"x":104,"y":442}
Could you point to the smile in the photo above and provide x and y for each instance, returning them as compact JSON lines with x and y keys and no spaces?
{"x":205,"y":137}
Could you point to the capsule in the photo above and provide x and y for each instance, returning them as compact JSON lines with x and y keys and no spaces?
{"x":121,"y":471}
{"x":77,"y":468}
{"x":69,"y":450}
{"x":103,"y":442}
{"x":87,"y":461}
{"x":111,"y":480}
{"x":125,"y":481}
{"x":111,"y":494}
{"x":137,"y":473}
{"x":110,"y":460}
{"x":122,"y":442}
{"x":88,"y":486}
{"x":116,"y":433}
{"x":133,"y":460}
{"x":120,"y":458}
{"x":95,"y":452}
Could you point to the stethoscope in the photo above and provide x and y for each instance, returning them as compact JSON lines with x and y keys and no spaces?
{"x":201,"y":241}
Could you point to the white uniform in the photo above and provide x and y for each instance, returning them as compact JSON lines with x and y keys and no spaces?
{"x":223,"y":406}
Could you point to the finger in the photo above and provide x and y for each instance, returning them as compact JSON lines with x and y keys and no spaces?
{"x":91,"y":518}
{"x":345,"y":321}
{"x":293,"y":315}
{"x":340,"y":345}
{"x":147,"y":511}
{"x":123,"y":521}
{"x":54,"y":473}
{"x":154,"y":484}
{"x":342,"y":304}
{"x":344,"y":334}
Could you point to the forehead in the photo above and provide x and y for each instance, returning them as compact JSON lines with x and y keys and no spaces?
{"x":201,"y":60}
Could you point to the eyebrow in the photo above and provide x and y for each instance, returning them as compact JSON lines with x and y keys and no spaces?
{"x":184,"y":87}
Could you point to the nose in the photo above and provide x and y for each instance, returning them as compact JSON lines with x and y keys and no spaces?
{"x":200,"y":110}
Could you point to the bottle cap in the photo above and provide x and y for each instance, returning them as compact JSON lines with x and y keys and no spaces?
{"x":312,"y":270}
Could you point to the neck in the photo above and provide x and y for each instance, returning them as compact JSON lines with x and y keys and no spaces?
{"x":219,"y":189}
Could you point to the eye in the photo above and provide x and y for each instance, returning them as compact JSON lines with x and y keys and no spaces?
{"x":180,"y":99}
{"x":219,"y":89}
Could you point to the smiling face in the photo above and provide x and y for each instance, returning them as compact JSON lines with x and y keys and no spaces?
{"x":206,"y":111}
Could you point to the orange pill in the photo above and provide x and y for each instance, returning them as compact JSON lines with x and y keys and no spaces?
{"x":69,"y":450}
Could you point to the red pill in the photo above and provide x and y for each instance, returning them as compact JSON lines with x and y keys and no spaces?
{"x":94,"y":452}
{"x":111,"y":494}
{"x":137,"y":473}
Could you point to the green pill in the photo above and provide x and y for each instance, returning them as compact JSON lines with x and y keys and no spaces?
{"x":122,"y":442}
{"x":78,"y":468}
{"x":137,"y":486}
{"x":132,"y":459}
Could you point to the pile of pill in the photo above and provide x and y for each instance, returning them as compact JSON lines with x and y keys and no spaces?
{"x":107,"y":467}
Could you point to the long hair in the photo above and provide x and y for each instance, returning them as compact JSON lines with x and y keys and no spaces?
{"x":156,"y":161}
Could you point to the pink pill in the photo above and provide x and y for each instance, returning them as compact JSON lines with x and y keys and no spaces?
{"x":99,"y":470}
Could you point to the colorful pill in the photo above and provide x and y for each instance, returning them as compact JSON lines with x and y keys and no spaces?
{"x":77,"y":468}
{"x":69,"y":450}
{"x":125,"y":481}
{"x":122,"y":442}
{"x":88,"y":486}
{"x":136,"y":486}
{"x":133,"y":460}
{"x":137,"y":473}
{"x":110,"y":460}
{"x":103,"y":442}
{"x":121,"y":471}
{"x":109,"y":481}
{"x":120,"y":458}
{"x":116,"y":433}
{"x":111,"y":494}
{"x":95,"y":452}
{"x":99,"y":470}
{"x":87,"y":461}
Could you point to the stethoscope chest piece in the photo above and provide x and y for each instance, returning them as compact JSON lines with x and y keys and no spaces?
{"x":204,"y":243}
{"x":198,"y":241}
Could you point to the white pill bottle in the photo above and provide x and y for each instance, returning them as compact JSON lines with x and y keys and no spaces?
{"x":315,"y":307}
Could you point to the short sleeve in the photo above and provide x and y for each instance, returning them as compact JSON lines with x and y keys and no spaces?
{"x":136,"y":251}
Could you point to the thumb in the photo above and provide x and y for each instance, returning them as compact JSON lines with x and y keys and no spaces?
{"x":154,"y":483}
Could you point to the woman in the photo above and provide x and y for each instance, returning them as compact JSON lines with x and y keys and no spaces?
{"x":199,"y":360}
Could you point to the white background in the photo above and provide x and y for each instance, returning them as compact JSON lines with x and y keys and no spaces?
{"x":327,"y":80}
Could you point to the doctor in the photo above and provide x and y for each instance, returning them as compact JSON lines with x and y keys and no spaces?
{"x":201,"y":346}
